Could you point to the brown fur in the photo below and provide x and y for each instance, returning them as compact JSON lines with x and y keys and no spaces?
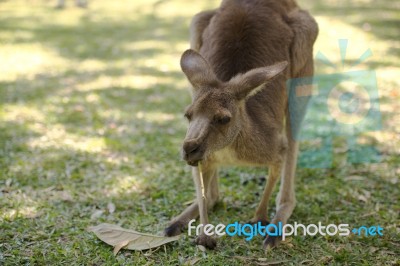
{"x":239,"y":107}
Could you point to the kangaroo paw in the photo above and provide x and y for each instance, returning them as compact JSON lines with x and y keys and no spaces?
{"x":175,"y":228}
{"x":206,"y":241}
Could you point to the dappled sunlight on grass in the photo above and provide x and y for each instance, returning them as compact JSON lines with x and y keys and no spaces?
{"x":57,"y":137}
{"x":124,"y":185}
{"x":340,"y":23}
{"x":359,"y":41}
{"x":22,"y":114}
{"x":155,"y":116}
{"x":136,"y":82}
{"x":27,"y":60}
{"x":23,"y":212}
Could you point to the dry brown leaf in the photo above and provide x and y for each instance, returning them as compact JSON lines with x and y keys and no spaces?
{"x":354,"y":178}
{"x":373,"y":250}
{"x":306,"y":262}
{"x":202,"y":248}
{"x":96,"y":214}
{"x":66,"y":196}
{"x":192,"y":261}
{"x":189,"y":202}
{"x":9,"y":182}
{"x":119,"y":237}
{"x":362,"y":198}
{"x":368,"y":214}
{"x":111,"y":207}
{"x":118,"y":247}
{"x":277,"y":262}
{"x":244,"y":258}
{"x":394,"y":180}
{"x":325,"y":259}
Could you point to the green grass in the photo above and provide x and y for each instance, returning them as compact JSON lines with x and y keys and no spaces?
{"x":91,"y":113}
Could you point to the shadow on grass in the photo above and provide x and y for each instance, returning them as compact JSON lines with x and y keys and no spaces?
{"x":109,"y":40}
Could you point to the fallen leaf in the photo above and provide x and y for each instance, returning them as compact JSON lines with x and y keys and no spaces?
{"x":201,"y":248}
{"x":277,"y":262}
{"x":119,"y":237}
{"x":387,"y":252}
{"x":365,"y":196}
{"x":306,"y":262}
{"x":325,"y":259}
{"x":118,"y":247}
{"x":373,"y":250}
{"x":368,"y":214}
{"x":244,"y":258}
{"x":192,"y":261}
{"x":366,"y":193}
{"x":9,"y":182}
{"x":354,"y":178}
{"x":189,"y":202}
{"x":96,"y":214}
{"x":66,"y":196}
{"x":111,"y":207}
{"x":362,"y":198}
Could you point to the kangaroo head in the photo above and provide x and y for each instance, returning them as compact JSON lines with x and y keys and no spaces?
{"x":215,"y":116}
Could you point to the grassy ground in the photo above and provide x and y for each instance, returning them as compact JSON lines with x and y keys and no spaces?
{"x":91,"y":116}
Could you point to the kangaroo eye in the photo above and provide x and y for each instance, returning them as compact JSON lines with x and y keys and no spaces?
{"x":223,"y":120}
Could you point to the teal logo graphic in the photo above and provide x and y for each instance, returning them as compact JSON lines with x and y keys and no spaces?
{"x":344,"y":104}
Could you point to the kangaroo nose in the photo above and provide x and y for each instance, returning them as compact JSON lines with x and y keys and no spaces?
{"x":190,"y":147}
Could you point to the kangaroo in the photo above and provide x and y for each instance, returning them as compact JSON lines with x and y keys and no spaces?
{"x":241,"y":56}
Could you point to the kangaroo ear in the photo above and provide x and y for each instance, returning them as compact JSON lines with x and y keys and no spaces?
{"x":197,"y":70}
{"x":251,"y":82}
